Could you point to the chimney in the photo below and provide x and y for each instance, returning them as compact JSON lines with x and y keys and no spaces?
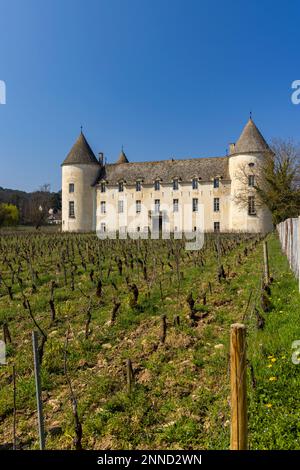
{"x":231,"y":148}
{"x":101,"y":158}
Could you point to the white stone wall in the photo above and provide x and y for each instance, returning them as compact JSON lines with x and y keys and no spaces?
{"x":185,"y":219}
{"x":84,"y":197}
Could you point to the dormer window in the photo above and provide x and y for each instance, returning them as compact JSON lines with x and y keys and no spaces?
{"x":121,"y":186}
{"x":216,"y":182}
{"x":251,"y":164}
{"x":138,"y":186}
{"x":194,"y":183}
{"x":103,"y":187}
{"x":175,"y":184}
{"x":156,"y":185}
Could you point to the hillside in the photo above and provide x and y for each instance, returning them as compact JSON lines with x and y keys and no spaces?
{"x":28,"y":203}
{"x":180,"y":395}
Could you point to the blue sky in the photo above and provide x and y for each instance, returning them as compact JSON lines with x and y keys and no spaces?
{"x":162,"y":77}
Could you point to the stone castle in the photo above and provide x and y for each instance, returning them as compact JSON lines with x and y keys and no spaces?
{"x":139,"y":196}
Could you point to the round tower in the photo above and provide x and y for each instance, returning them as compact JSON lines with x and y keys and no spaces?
{"x":246,"y":162}
{"x":79,"y":172}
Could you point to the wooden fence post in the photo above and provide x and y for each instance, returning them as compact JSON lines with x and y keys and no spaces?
{"x":238,"y":382}
{"x":266,"y":264}
{"x":38,"y":389}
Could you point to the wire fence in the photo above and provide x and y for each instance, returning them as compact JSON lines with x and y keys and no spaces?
{"x":288,"y":232}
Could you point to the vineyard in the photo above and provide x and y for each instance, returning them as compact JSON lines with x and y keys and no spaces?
{"x":133,"y":341}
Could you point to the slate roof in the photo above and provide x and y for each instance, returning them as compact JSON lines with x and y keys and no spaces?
{"x":166,"y":170}
{"x":205,"y":169}
{"x":250,"y":140}
{"x":81,"y":152}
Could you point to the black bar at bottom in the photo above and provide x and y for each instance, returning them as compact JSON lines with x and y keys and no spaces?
{"x":142,"y":459}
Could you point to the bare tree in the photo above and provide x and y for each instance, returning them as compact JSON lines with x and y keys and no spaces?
{"x":39,"y":205}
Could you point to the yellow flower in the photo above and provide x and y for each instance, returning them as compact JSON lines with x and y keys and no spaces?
{"x":272,"y":379}
{"x":273,"y":359}
{"x":283,"y":357}
{"x":270,"y":357}
{"x":269,"y":405}
{"x":270,"y":365}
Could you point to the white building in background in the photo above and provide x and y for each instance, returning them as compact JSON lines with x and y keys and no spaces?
{"x":138,"y":196}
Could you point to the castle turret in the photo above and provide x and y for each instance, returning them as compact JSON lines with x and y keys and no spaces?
{"x":79,"y":172}
{"x":122,"y":157}
{"x":246,"y":163}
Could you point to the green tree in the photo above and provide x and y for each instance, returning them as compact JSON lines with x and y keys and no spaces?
{"x":9,"y":214}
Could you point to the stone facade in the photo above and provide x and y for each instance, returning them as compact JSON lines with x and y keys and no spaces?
{"x":193,"y":194}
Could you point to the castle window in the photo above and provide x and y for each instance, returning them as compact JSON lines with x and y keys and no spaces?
{"x":195,"y":205}
{"x":175,"y":205}
{"x":121,"y":187}
{"x":138,"y":207}
{"x":103,"y":227}
{"x":103,"y":207}
{"x":71,"y":188}
{"x":175,"y":184}
{"x":251,"y":164}
{"x":71,"y":210}
{"x":216,"y":204}
{"x":157,"y":205}
{"x":138,"y":186}
{"x":251,"y":180}
{"x":120,"y":207}
{"x":138,"y":228}
{"x":194,"y":183}
{"x":157,"y":185}
{"x":251,"y":205}
{"x":216,"y":226}
{"x":102,"y":187}
{"x":216,"y":182}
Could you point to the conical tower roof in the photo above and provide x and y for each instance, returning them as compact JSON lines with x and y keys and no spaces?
{"x":81,"y":152}
{"x":122,"y":158}
{"x":251,"y":140}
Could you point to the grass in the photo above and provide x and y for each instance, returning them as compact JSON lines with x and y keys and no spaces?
{"x":181,"y":395}
{"x":274,"y":405}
